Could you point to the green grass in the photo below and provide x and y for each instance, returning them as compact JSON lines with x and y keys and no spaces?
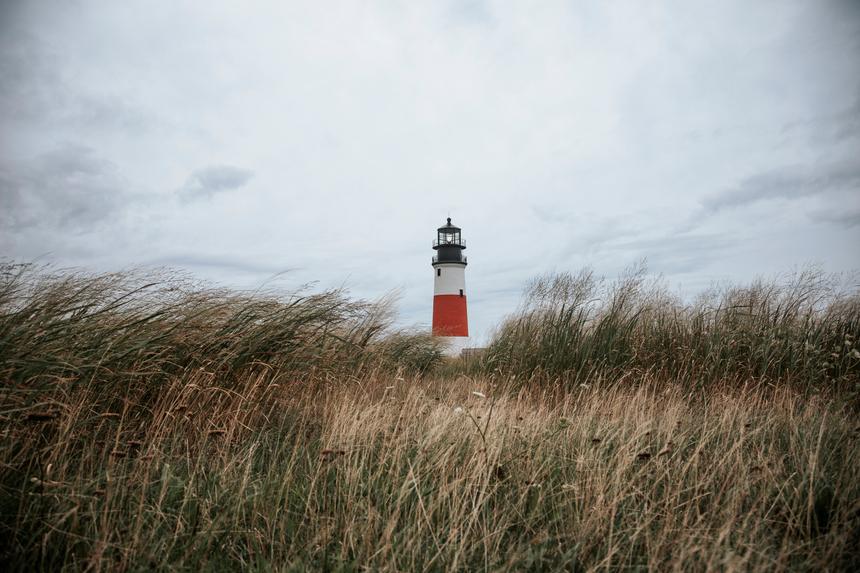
{"x":801,"y":329}
{"x":157,"y":424}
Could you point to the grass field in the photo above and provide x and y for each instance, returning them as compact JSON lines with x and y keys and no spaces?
{"x":152,"y":423}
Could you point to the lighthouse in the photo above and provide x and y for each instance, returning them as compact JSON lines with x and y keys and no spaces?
{"x":449,"y":283}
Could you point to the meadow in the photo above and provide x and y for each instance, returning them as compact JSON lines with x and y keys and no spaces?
{"x":154,"y":422}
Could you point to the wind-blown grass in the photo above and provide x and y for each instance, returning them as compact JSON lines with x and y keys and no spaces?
{"x":158,"y":424}
{"x":802,"y":329}
{"x":117,"y":328}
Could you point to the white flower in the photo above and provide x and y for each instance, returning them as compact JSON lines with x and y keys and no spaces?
{"x":458,"y":410}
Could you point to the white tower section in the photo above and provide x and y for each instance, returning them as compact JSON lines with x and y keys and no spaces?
{"x":450,"y":279}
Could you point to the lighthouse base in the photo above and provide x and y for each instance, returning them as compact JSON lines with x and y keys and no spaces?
{"x":454,"y":345}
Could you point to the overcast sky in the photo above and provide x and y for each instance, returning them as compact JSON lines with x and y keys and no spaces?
{"x":719,"y":140}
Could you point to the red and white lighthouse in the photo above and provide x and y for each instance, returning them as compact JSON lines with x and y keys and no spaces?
{"x":449,"y":283}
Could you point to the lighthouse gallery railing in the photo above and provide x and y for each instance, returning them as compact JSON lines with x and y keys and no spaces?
{"x":436,"y":260}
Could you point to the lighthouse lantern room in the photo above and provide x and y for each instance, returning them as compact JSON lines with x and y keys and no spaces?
{"x":449,"y":283}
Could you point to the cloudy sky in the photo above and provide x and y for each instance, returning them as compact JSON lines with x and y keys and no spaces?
{"x":719,"y":140}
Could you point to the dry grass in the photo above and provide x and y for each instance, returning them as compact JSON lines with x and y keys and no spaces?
{"x":411,"y":474}
{"x":300,"y":434}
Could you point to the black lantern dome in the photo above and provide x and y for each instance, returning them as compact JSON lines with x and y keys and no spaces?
{"x":449,"y":245}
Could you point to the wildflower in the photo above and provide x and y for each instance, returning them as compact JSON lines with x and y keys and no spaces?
{"x":856,"y":354}
{"x":479,"y":394}
{"x":458,"y":410}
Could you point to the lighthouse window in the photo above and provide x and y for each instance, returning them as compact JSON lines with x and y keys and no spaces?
{"x":438,"y":272}
{"x":461,"y":292}
{"x":449,"y":238}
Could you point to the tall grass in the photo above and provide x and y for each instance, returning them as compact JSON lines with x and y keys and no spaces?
{"x":153,"y":423}
{"x":122,"y":327}
{"x":398,"y":475}
{"x":802,"y":328}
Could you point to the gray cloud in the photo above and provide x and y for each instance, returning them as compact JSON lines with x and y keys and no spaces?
{"x":36,"y":90}
{"x":789,"y":182}
{"x":846,"y":218}
{"x":68,"y":188}
{"x":674,"y":253}
{"x":209,"y":181}
{"x":229,"y":263}
{"x":831,"y":128}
